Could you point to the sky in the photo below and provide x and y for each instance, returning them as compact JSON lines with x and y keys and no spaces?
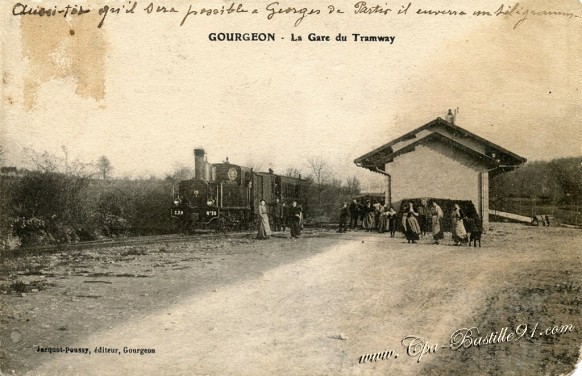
{"x":145,"y":92}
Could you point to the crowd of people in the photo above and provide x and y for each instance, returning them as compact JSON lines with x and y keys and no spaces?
{"x":283,"y":216}
{"x":414,"y":222}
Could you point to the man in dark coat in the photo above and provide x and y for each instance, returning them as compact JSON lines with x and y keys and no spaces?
{"x":343,"y":221}
{"x":294,"y":218}
{"x":354,"y":214}
{"x":277,"y":214}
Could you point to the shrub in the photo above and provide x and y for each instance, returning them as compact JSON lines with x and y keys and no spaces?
{"x":49,"y":207}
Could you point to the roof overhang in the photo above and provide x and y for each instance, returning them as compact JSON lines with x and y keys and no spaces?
{"x":504,"y":160}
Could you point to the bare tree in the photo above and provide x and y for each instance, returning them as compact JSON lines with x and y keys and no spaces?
{"x":104,"y":166}
{"x":254,"y":164}
{"x":180,"y":173}
{"x":353,"y":186}
{"x":44,"y":162}
{"x":321,"y":172}
{"x":292,"y":172}
{"x":320,"y":169}
{"x":52,"y":163}
{"x":336,"y":183}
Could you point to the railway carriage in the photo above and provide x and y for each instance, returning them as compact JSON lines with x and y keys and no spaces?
{"x":225,"y":196}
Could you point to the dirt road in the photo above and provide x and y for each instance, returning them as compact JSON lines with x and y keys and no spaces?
{"x":316,"y":305}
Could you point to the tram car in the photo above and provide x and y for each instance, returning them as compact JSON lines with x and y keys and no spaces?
{"x":226,"y":196}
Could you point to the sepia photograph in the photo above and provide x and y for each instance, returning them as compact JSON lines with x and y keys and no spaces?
{"x":290,"y":187}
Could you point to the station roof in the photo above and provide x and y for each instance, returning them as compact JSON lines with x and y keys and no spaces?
{"x":453,"y":136}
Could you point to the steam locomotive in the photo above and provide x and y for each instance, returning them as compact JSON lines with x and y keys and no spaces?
{"x":226,"y":196}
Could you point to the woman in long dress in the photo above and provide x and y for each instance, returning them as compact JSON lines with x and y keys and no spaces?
{"x":370,"y":217}
{"x":408,"y":208}
{"x":383,"y":226}
{"x":436,"y":220}
{"x":404,"y":209}
{"x":459,"y":232}
{"x":295,"y":217}
{"x":264,"y":228}
{"x":412,"y":230}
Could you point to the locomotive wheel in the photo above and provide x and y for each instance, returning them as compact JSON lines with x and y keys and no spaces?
{"x":253,"y":225}
{"x":234,"y":226}
{"x":190,"y":227}
{"x":220,"y":224}
{"x":176,"y":225}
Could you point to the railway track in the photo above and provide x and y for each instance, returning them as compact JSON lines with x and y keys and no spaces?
{"x":141,"y":240}
{"x":138,"y":240}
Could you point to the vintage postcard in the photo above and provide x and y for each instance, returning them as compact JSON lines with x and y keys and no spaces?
{"x":278,"y":187}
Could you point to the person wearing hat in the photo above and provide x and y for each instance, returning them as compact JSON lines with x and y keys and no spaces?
{"x":294,"y":218}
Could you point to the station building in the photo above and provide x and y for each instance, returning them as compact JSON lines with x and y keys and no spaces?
{"x":440,"y":160}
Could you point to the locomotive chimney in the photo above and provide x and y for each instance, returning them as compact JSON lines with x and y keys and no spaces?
{"x":199,"y":163}
{"x":207,"y":171}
